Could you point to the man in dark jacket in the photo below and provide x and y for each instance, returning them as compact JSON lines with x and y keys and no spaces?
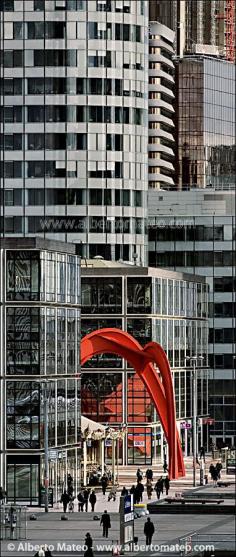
{"x":149,"y":531}
{"x":140,"y":490}
{"x":92,"y":500}
{"x":158,"y":488}
{"x":167,"y":484}
{"x":86,"y":498}
{"x":124,"y":492}
{"x":149,"y":474}
{"x":106,"y":523}
{"x":65,"y":500}
{"x":80,"y":498}
{"x":104,"y":483}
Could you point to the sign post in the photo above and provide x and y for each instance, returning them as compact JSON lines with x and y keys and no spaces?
{"x":126,"y":520}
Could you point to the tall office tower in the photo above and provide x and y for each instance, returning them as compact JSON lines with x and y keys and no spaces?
{"x":198,"y":22}
{"x":205,"y":119}
{"x":74,"y":132}
{"x":195,"y":232}
{"x":161,"y":110}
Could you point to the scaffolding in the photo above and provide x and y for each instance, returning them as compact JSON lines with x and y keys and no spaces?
{"x":229,"y":20}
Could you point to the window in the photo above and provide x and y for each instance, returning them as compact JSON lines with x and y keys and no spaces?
{"x":114,"y":142}
{"x":11,"y":114}
{"x":11,"y":142}
{"x":55,"y":58}
{"x":39,"y":5}
{"x":139,"y":295}
{"x":23,"y":272}
{"x":101,"y":296}
{"x":7,"y":6}
{"x":11,"y":86}
{"x":23,"y":408}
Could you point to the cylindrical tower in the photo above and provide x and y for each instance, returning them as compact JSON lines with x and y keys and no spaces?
{"x":74,"y":123}
{"x":161,"y":110}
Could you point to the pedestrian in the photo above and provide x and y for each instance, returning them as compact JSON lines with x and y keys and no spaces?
{"x":149,"y":488}
{"x":218,"y":469}
{"x":112,"y":494}
{"x":86,"y":499}
{"x":2,"y":496}
{"x":162,"y":484}
{"x":139,"y":475}
{"x":71,"y":504}
{"x":149,"y":531}
{"x":165,"y":466}
{"x":214,"y":475}
{"x":140,"y":489}
{"x":149,"y":474}
{"x":106,"y":523}
{"x":80,"y":498}
{"x":202,"y":453}
{"x":92,"y":500}
{"x":104,"y":483}
{"x":65,"y":500}
{"x":124,"y":492}
{"x":167,"y":484}
{"x":88,"y":541}
{"x":136,"y":495}
{"x":158,"y":487}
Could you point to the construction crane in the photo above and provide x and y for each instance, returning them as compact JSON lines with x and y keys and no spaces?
{"x":229,"y":17}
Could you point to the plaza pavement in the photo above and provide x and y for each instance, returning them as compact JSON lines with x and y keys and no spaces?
{"x":67,"y":537}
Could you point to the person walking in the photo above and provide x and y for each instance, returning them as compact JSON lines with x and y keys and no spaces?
{"x":124,"y":492}
{"x":214,"y":476}
{"x":86,"y":499}
{"x":149,"y":488}
{"x":165,"y":467}
{"x":104,"y":483}
{"x":40,"y":552}
{"x":136,"y":494}
{"x":202,"y":453}
{"x":212,"y":471}
{"x":167,"y":484}
{"x":88,"y":540}
{"x":80,"y":498}
{"x":92,"y":500}
{"x":139,"y":475}
{"x":106,"y":523}
{"x":158,"y":487}
{"x":149,"y":531}
{"x":65,"y":500}
{"x":140,"y":489}
{"x":218,"y":469}
{"x":149,"y":474}
{"x":71,"y":504}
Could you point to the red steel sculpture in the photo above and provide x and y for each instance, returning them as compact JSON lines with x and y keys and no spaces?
{"x":120,"y":343}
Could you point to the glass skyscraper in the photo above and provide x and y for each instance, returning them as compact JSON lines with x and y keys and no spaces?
{"x":205,"y":122}
{"x":74,"y":123}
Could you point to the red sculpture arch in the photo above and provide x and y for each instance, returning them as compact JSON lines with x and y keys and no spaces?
{"x":116,"y":341}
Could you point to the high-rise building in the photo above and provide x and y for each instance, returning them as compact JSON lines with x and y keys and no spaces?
{"x":39,"y":363}
{"x":197,"y":23}
{"x":205,"y":123}
{"x":161,"y":111}
{"x":195,"y":232}
{"x":74,"y":123}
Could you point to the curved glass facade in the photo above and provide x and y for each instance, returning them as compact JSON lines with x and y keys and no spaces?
{"x":74,"y":119}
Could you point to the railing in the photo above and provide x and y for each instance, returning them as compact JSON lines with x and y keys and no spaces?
{"x":13,"y":522}
{"x":196,"y":543}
